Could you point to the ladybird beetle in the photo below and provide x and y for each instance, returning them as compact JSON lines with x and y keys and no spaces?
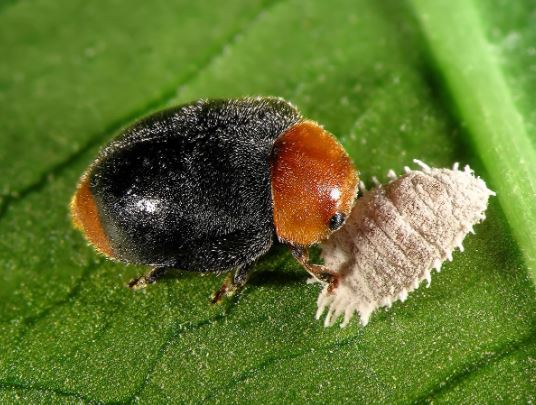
{"x":207,"y":187}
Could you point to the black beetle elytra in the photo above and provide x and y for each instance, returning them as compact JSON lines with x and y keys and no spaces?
{"x":208,"y":185}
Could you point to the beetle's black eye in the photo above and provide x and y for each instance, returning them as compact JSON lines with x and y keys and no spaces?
{"x":336,"y":221}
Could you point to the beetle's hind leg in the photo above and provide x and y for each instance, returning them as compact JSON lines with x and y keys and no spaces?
{"x":232,"y":283}
{"x":151,"y":277}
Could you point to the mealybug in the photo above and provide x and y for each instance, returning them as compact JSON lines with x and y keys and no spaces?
{"x":396,"y":234}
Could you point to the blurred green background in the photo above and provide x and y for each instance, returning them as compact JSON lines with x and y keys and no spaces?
{"x":393,"y":80}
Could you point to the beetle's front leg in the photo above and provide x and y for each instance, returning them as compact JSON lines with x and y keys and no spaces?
{"x":321,"y":273}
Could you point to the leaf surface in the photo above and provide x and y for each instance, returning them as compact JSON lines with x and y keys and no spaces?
{"x":376,"y":74}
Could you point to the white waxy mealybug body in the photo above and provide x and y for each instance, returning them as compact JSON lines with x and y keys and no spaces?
{"x":396,"y":235}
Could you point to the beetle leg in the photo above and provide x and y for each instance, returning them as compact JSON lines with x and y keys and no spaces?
{"x":150,"y":277}
{"x":321,"y":273}
{"x":232,"y":284}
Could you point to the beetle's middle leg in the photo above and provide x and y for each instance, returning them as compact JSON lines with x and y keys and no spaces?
{"x":152,"y":276}
{"x":232,"y":283}
{"x":321,"y":273}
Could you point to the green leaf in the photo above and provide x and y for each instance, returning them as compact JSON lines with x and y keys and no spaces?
{"x":392,"y":80}
{"x":487,"y":103}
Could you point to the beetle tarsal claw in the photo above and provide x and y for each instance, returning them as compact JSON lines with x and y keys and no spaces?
{"x":333,"y":282}
{"x":226,"y":290}
{"x":223,"y":291}
{"x":138,"y":283}
{"x":232,"y":284}
{"x":324,"y":276}
{"x":150,"y":277}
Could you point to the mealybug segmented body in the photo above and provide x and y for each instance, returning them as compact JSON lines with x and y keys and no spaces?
{"x":396,"y":234}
